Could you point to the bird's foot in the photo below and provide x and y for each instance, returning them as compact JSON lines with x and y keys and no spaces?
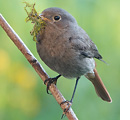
{"x":69,"y":103}
{"x":49,"y":81}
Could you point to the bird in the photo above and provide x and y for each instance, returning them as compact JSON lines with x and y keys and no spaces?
{"x":68,"y":50}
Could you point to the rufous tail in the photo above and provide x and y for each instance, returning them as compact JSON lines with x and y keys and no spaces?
{"x":99,"y":86}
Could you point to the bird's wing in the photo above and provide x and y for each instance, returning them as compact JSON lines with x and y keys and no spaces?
{"x":85,"y":46}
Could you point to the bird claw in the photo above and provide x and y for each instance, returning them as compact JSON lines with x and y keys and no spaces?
{"x":69,"y":103}
{"x":49,"y":81}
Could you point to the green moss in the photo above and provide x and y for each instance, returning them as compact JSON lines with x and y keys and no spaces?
{"x":34,"y":17}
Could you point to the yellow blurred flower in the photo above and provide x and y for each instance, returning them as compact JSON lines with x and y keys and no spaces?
{"x":25,"y":78}
{"x":22,"y":76}
{"x":4,"y":61}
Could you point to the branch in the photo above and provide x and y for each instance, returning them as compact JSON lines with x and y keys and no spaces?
{"x":36,"y":65}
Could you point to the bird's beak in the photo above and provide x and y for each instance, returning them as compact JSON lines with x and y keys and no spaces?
{"x":43,"y":18}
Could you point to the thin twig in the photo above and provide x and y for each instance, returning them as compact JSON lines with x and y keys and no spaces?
{"x":36,"y":65}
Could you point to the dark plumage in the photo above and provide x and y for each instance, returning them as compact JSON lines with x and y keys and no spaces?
{"x":67,"y":49}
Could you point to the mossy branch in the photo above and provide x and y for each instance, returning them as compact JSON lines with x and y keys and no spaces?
{"x":36,"y":65}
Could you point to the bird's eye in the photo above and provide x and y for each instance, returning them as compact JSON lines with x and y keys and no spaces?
{"x":57,"y":18}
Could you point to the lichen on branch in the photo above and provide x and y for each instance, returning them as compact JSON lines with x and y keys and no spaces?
{"x":34,"y":17}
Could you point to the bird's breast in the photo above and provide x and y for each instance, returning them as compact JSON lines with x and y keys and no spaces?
{"x":56,"y":50}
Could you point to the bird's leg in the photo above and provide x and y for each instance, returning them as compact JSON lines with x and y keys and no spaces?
{"x":69,"y":103}
{"x":49,"y":81}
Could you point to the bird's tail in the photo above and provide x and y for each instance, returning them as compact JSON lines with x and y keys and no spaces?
{"x":99,"y":86}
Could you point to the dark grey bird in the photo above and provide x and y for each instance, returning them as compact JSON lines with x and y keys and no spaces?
{"x":67,"y":49}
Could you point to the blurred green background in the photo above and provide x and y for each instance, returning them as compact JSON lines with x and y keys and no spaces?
{"x":22,"y":93}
